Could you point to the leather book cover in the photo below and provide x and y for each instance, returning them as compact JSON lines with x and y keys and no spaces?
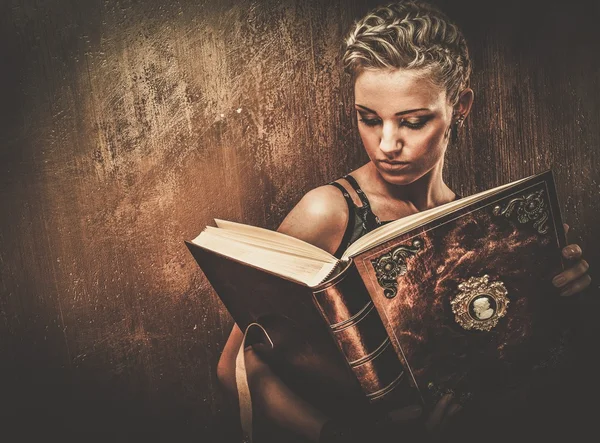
{"x":305,"y":354}
{"x":467,"y":299}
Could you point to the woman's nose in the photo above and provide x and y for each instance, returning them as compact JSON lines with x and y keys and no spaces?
{"x":390,"y":139}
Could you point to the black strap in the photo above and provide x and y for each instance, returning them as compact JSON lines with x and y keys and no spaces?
{"x":349,"y":225}
{"x":361,"y":194}
{"x":370,"y":220}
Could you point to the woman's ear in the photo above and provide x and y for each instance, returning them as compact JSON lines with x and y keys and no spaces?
{"x":464,"y":103}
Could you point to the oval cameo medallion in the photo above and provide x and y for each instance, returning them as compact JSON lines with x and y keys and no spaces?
{"x":480,"y":303}
{"x":482,"y":307}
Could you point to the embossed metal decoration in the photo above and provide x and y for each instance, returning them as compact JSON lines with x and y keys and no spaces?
{"x":531,"y":207}
{"x":480,"y":303}
{"x":391,"y":265}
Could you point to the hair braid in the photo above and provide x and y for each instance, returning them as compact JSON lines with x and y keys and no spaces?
{"x":410,"y":35}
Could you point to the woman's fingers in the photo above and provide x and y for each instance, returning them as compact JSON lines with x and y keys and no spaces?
{"x":406,"y":414}
{"x":441,"y":416}
{"x":574,"y":279}
{"x":455,"y":408}
{"x":577,"y":286}
{"x":566,"y":226}
{"x":439,"y":411}
{"x":568,"y":276}
{"x":571,"y":252}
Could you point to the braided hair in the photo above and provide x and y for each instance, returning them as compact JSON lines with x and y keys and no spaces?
{"x":410,"y":35}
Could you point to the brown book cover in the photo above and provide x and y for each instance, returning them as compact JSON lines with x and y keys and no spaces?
{"x":467,"y":299}
{"x":330,"y":346}
{"x":463,"y":302}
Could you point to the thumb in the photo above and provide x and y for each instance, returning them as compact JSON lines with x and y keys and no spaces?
{"x":566,"y":226}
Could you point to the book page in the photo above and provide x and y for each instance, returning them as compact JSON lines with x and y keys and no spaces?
{"x":287,"y":241}
{"x":272,"y":245}
{"x":303,"y":270}
{"x":391,"y":230}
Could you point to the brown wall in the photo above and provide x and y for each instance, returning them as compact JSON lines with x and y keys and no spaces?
{"x":126,"y":127}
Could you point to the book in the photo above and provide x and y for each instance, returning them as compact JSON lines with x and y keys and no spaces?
{"x":455,"y":298}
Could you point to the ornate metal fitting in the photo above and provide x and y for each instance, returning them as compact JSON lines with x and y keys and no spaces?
{"x":389,"y":266}
{"x":530,"y":207}
{"x":480,"y":304}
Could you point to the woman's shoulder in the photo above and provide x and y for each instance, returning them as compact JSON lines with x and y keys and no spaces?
{"x":319,"y":218}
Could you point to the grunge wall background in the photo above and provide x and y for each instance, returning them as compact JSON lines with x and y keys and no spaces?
{"x":126,"y":127}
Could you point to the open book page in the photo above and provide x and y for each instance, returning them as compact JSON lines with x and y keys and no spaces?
{"x":307,"y":271}
{"x":273,"y":245}
{"x":391,"y":230}
{"x":287,"y":242}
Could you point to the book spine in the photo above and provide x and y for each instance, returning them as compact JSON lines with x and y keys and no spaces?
{"x":360,"y":334}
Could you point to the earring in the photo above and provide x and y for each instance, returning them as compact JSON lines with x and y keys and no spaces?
{"x":457,"y":124}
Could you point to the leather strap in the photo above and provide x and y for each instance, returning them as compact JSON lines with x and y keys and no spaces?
{"x":243,"y":389}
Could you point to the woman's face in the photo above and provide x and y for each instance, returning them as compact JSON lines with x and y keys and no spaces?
{"x":403,"y":120}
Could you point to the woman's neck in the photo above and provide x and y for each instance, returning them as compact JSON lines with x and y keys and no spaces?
{"x":425,"y":193}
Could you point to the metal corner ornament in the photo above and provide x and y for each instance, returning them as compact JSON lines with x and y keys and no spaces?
{"x":389,"y":266}
{"x":480,"y":303}
{"x":531,"y":207}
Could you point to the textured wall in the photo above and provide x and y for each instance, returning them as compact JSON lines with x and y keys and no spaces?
{"x":126,"y":127}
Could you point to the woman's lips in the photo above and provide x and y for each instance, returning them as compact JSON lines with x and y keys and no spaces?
{"x":391,"y":165}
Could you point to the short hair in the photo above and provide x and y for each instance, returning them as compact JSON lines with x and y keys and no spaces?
{"x":410,"y":35}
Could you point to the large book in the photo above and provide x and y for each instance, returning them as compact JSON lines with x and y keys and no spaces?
{"x":455,"y":298}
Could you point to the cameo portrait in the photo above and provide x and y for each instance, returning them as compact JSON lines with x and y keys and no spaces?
{"x":480,"y":303}
{"x":482,"y":307}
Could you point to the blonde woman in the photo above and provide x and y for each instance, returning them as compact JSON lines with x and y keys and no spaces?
{"x":410,"y":70}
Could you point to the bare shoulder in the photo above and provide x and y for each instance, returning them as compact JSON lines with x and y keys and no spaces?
{"x":319,"y":218}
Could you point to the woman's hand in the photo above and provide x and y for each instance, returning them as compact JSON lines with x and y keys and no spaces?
{"x":434,"y":423}
{"x":574,"y":279}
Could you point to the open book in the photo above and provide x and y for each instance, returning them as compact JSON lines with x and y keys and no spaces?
{"x":305,"y":263}
{"x":440,"y":300}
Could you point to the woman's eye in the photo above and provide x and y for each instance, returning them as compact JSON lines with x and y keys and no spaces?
{"x":370,"y":121}
{"x":411,"y":124}
{"x":416,"y":124}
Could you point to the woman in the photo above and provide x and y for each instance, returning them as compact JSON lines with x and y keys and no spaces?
{"x":410,"y":68}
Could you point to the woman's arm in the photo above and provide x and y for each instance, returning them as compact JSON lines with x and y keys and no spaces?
{"x":270,"y":395}
{"x":319,"y":218}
